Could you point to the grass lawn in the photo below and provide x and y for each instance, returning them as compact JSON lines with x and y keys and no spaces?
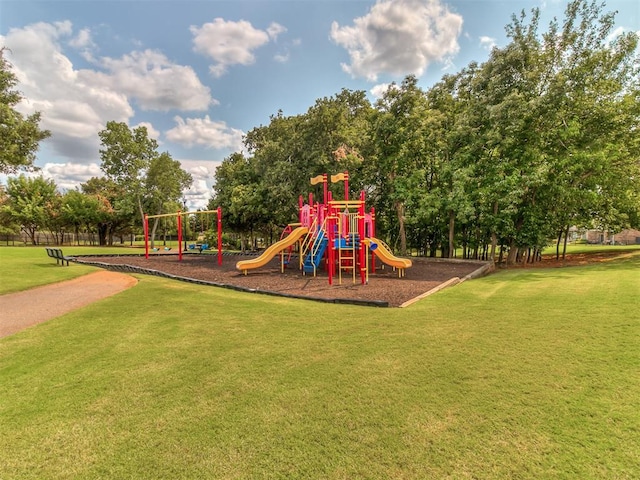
{"x":27,"y":267}
{"x":586,"y":248}
{"x":523,"y":374}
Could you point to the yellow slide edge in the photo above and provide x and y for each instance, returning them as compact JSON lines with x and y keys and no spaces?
{"x":386,"y":256}
{"x":272,"y":251}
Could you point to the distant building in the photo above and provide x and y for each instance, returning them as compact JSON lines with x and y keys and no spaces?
{"x":603,"y":237}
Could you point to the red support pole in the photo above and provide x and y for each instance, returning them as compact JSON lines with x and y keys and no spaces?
{"x":372,"y":233}
{"x":179,"y":236}
{"x":373,"y":222}
{"x":362,"y":254}
{"x":219,"y":235}
{"x":145,"y":227}
{"x":330,"y":250}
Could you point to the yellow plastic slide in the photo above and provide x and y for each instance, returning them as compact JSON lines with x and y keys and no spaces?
{"x":385,"y":256}
{"x":271,"y":252}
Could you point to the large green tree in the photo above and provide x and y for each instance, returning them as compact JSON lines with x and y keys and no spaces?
{"x":240,"y":191}
{"x":30,"y":201}
{"x":126,"y":155}
{"x":146,"y":178}
{"x":548,"y":125}
{"x":19,"y":135}
{"x":261,"y":190}
{"x":85,"y":213}
{"x":117,"y":213}
{"x":8,"y":224}
{"x":400,"y":132}
{"x":165,"y":180}
{"x":510,"y":152}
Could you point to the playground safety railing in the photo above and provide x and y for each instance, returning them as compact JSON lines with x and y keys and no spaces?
{"x":308,"y":241}
{"x":311,"y":245}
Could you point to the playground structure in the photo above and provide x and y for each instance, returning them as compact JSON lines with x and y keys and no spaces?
{"x":335,"y":234}
{"x":179,"y":215}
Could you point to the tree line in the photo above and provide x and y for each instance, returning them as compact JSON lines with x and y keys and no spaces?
{"x":137,"y":179}
{"x":497,"y":159}
{"x":493,"y":161}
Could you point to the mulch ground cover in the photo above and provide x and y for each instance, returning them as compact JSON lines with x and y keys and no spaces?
{"x":384,"y":288}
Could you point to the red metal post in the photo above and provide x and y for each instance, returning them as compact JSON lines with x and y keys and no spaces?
{"x":372,"y":233}
{"x":146,"y":235}
{"x":362,"y":254}
{"x":179,"y":236}
{"x":219,"y":235}
{"x":330,"y":238}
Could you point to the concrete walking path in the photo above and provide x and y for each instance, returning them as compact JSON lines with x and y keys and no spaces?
{"x":21,"y":310}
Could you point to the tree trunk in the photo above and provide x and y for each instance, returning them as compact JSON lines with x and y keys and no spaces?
{"x":494,"y":236}
{"x":452,"y":229}
{"x":564,"y":248}
{"x":102,"y":234}
{"x":558,"y":244}
{"x":401,"y":228}
{"x":140,"y":210}
{"x":513,"y":253}
{"x":153,"y":232}
{"x":110,"y":234}
{"x":31,"y":233}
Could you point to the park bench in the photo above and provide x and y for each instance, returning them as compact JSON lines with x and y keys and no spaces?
{"x":58,"y":255}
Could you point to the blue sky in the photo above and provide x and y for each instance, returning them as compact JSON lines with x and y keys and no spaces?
{"x":200,"y":74}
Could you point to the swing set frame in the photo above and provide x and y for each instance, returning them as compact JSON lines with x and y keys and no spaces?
{"x":179,"y":216}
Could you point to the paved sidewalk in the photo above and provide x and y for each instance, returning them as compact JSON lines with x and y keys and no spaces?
{"x":24,"y":309}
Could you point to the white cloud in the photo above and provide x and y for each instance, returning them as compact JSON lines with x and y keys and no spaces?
{"x":154,"y":81}
{"x":615,"y":34}
{"x":203,"y":173}
{"x":82,"y":40}
{"x":487,"y":42}
{"x":379,"y":90}
{"x":72,"y":109}
{"x":69,"y":176}
{"x":282,"y":57}
{"x":204,"y":132}
{"x":84,"y":44}
{"x":399,"y":37}
{"x":76,"y":104}
{"x":285,"y":54}
{"x":544,"y":4}
{"x":231,"y":43}
{"x":274,"y":30}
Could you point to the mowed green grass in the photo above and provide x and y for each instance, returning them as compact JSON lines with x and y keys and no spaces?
{"x":586,"y":248}
{"x":523,"y":374}
{"x":27,"y":267}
